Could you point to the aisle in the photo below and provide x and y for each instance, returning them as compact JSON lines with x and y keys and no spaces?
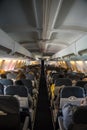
{"x":43,"y":119}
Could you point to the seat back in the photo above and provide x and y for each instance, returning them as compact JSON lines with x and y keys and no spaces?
{"x":20,"y":92}
{"x":63,"y":81}
{"x":72,"y":95}
{"x":72,"y":91}
{"x":9,"y":113}
{"x":11,"y":75}
{"x":75,"y":76}
{"x":85,"y":88}
{"x":6,"y":82}
{"x":81,"y":83}
{"x":28,"y":84}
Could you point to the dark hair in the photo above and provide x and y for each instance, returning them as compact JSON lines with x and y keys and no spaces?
{"x":3,"y":76}
{"x":18,"y":82}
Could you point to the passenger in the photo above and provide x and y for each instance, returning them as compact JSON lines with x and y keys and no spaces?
{"x":30,"y":75}
{"x":20,"y":75}
{"x":57,"y":95}
{"x":52,"y":88}
{"x":67,"y":112}
{"x":56,"y":103}
{"x":19,"y":82}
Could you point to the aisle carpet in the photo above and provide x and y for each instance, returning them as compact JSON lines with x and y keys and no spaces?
{"x":43,"y":118}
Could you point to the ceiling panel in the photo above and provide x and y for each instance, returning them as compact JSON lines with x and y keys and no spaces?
{"x":44,"y":26}
{"x":66,"y":37}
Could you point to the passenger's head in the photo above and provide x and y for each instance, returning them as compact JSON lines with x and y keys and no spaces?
{"x":3,"y":76}
{"x":21,"y":75}
{"x":18,"y":82}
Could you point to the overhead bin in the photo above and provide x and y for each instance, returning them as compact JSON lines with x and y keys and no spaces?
{"x":8,"y":43}
{"x":74,"y":49}
{"x":81,"y":45}
{"x":4,"y":50}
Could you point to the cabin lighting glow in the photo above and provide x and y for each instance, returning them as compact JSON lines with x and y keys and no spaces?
{"x":72,"y":62}
{"x":85,"y":62}
{"x":79,"y":62}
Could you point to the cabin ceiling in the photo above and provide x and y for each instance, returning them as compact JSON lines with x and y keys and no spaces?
{"x":44,"y":27}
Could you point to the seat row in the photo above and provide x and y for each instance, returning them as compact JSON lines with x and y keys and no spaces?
{"x":10,"y":115}
{"x":24,"y":93}
{"x":64,"y":90}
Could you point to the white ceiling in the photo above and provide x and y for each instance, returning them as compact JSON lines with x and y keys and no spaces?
{"x":44,"y":27}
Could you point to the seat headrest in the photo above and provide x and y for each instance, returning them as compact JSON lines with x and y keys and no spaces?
{"x":72,"y":91}
{"x":17,"y":90}
{"x":63,"y":81}
{"x":6,"y":82}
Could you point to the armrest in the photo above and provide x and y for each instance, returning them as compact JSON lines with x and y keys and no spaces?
{"x":26,"y":123}
{"x":60,"y":121}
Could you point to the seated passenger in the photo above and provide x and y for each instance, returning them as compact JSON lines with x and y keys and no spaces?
{"x":67,"y":112}
{"x":57,"y":95}
{"x":30,"y":75}
{"x":52,"y":88}
{"x":20,"y":75}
